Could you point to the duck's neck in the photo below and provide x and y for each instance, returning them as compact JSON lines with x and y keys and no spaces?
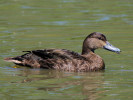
{"x":86,"y":50}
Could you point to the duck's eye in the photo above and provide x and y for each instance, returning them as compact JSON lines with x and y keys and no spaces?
{"x":100,"y":38}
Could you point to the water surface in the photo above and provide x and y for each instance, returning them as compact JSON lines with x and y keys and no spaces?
{"x":40,"y":24}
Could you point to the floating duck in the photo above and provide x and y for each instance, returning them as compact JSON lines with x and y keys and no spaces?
{"x":66,"y":60}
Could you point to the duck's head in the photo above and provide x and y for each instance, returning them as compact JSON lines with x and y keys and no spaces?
{"x":97,"y":40}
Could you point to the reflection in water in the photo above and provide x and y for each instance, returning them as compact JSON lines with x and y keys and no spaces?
{"x":65,"y":83}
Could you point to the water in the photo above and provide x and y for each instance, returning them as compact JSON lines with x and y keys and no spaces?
{"x":39,"y":24}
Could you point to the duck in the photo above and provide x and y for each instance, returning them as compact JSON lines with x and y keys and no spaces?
{"x":67,"y":60}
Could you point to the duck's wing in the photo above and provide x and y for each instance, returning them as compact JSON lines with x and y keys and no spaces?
{"x":57,"y":54}
{"x":50,"y":54}
{"x":47,"y":58}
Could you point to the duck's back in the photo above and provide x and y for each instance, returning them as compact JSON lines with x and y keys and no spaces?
{"x":49,"y":59}
{"x":55,"y":59}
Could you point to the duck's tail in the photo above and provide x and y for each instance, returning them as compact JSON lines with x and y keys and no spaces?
{"x":15,"y":60}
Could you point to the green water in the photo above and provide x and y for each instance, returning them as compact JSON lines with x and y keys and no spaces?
{"x":39,"y":24}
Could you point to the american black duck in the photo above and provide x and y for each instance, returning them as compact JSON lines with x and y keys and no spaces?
{"x":66,"y":60}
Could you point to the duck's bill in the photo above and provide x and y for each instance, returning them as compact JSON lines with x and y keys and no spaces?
{"x":110,"y":47}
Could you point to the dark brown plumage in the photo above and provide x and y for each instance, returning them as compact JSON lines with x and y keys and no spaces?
{"x":61,"y":59}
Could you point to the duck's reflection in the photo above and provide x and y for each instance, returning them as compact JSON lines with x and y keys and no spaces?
{"x":85,"y":84}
